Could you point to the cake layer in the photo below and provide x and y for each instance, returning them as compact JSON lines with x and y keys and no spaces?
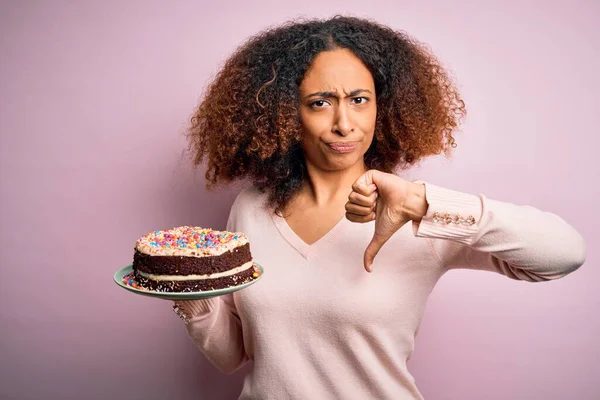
{"x":196,"y":277}
{"x":198,"y":285}
{"x":184,"y":265}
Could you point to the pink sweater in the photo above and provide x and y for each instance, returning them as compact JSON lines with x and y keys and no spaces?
{"x":318,"y":326}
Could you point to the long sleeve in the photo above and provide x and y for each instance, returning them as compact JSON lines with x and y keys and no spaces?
{"x":518,"y":241}
{"x":215,"y":327}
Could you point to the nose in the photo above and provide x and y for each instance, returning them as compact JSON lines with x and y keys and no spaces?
{"x":342,"y":124}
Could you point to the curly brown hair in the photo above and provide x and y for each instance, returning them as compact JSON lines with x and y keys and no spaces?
{"x":248,"y":125}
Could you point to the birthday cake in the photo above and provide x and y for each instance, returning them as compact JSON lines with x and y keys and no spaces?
{"x":191,"y":259}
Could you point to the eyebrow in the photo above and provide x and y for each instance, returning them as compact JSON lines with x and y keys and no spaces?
{"x":333,"y":93}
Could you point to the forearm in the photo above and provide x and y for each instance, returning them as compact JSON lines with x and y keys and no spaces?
{"x":521,"y":242}
{"x":215,"y":330}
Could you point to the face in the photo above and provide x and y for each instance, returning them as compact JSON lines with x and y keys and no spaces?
{"x":338,"y":111}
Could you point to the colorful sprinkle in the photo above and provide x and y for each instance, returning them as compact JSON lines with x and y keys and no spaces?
{"x":187,"y":236}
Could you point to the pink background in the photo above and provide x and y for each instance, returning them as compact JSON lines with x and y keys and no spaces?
{"x":95,"y":97}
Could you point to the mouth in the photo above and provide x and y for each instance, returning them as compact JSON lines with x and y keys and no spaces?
{"x":343,"y":147}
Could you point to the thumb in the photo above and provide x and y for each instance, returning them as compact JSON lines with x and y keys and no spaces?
{"x":372,"y":249}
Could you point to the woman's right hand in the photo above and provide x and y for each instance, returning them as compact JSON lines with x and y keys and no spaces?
{"x":188,"y":309}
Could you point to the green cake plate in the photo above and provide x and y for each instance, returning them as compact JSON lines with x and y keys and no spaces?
{"x":121,"y":273}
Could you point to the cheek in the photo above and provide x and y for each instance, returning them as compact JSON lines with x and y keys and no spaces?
{"x":310,"y":141}
{"x":314,"y":122}
{"x":313,"y":128}
{"x":372,"y":117}
{"x":367,"y":122}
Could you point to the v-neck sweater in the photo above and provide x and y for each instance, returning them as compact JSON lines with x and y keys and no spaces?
{"x":318,"y":326}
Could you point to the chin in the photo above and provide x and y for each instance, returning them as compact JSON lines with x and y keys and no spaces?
{"x":342,"y":162}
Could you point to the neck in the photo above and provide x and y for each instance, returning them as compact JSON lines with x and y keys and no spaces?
{"x":326,"y":187}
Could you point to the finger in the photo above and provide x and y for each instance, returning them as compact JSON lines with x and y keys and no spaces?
{"x":372,"y":249}
{"x":360,"y":218}
{"x":364,"y":184}
{"x":364,"y":190}
{"x":359,"y":210}
{"x":363,"y":200}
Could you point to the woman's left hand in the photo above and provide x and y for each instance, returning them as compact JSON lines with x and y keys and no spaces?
{"x":388,"y":200}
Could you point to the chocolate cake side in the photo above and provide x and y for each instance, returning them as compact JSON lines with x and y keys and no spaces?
{"x":199,"y":285}
{"x":185,"y":265}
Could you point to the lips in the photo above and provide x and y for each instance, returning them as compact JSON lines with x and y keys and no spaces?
{"x":343,"y":147}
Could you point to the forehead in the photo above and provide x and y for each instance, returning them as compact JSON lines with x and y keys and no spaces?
{"x":337,"y":70}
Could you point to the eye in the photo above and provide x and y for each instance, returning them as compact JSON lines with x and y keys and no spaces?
{"x":360,"y":100}
{"x":318,"y":104}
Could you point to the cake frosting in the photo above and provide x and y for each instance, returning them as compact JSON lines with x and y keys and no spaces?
{"x":189,"y":241}
{"x":189,"y":258}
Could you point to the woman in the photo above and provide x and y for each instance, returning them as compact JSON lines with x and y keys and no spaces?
{"x":318,"y":114}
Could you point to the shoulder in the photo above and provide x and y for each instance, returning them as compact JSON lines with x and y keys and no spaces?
{"x":249,"y":198}
{"x":249,"y":206}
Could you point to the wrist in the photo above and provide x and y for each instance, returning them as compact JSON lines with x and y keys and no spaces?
{"x":188,"y":309}
{"x":415,"y":205}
